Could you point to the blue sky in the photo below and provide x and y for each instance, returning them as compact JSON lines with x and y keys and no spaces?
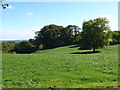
{"x":21,"y":19}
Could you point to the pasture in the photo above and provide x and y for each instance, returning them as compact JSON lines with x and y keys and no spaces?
{"x":62,"y":67}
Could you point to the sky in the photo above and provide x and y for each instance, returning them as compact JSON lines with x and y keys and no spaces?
{"x":21,"y":20}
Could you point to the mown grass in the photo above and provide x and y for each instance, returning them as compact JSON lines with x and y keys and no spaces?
{"x":60,"y":68}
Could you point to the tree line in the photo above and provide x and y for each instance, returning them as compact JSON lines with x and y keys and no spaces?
{"x":94,"y":34}
{"x":52,"y":36}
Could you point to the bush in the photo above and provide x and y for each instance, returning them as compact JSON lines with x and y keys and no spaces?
{"x":24,"y":47}
{"x":13,"y":52}
{"x":116,"y":38}
{"x":8,"y":46}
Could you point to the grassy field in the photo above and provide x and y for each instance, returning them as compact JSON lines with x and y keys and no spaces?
{"x":61,"y":67}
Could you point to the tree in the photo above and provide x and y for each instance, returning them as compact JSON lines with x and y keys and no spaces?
{"x":95,"y":34}
{"x":4,"y":6}
{"x":49,"y":36}
{"x":76,"y":33}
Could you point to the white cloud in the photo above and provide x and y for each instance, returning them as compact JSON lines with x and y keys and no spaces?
{"x":10,"y":7}
{"x":16,"y":35}
{"x":23,"y":34}
{"x":29,"y":13}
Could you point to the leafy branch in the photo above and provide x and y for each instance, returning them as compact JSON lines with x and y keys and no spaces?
{"x":3,"y":5}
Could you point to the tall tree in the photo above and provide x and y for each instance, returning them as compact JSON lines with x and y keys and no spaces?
{"x":66,"y":35}
{"x":48,"y":36}
{"x":76,"y":33}
{"x":95,"y":34}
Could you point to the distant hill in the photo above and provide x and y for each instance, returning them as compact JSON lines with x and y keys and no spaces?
{"x":12,"y":40}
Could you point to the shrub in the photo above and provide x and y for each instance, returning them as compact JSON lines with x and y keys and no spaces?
{"x":24,"y":47}
{"x":8,"y":46}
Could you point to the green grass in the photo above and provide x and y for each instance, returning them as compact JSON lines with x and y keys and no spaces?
{"x":60,"y":69}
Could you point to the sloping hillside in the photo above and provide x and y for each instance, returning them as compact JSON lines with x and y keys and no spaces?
{"x":63,"y":67}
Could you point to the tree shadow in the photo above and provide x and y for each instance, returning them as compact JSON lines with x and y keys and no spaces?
{"x":74,"y":46}
{"x":87,"y":52}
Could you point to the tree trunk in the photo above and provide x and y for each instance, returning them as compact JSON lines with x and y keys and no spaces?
{"x":93,"y":49}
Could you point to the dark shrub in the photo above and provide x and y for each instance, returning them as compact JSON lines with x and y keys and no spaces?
{"x":24,"y":47}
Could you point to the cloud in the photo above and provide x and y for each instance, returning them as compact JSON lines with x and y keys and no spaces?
{"x":22,"y":34}
{"x":17,"y":35}
{"x":10,"y":7}
{"x":29,"y":13}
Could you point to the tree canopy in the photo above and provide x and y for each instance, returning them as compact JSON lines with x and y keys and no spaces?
{"x":4,"y":6}
{"x":53,"y":35}
{"x":8,"y":46}
{"x":95,"y":33}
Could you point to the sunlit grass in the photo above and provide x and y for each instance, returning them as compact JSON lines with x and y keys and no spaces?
{"x":59,"y":68}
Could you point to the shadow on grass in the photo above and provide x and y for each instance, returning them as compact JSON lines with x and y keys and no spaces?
{"x":87,"y":52}
{"x":74,"y":46}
